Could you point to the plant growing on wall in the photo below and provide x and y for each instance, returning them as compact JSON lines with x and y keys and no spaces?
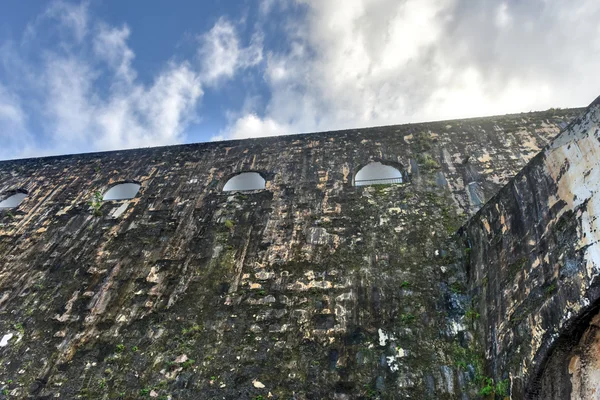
{"x":96,"y":203}
{"x":491,"y":389}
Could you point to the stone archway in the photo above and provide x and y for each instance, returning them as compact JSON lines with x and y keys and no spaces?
{"x":572,"y":370}
{"x":584,"y":364}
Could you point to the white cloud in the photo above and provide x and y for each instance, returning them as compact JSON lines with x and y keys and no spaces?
{"x":10,"y":109}
{"x":130,"y":114}
{"x":251,"y":126}
{"x":74,"y":16}
{"x":13,"y":134}
{"x":68,"y":98}
{"x":503,"y":18}
{"x":371,"y":62}
{"x":221,"y":54}
{"x":266,"y":6}
{"x":136,"y":116}
{"x":71,"y":20}
{"x":93,"y":100}
{"x":170,"y":103}
{"x":110,"y":44}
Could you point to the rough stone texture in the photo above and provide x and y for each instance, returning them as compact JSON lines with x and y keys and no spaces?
{"x":534,"y":269}
{"x":310,"y":289}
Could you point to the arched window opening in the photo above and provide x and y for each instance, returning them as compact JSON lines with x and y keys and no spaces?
{"x":122,"y":191}
{"x":245,"y":181}
{"x":377,"y":173}
{"x":13,"y":201}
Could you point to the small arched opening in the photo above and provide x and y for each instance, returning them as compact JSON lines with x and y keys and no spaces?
{"x":376,"y":173}
{"x":121,"y":191}
{"x":244,"y":182}
{"x":13,"y":201}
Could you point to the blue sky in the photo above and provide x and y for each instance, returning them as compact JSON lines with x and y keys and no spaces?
{"x":101,"y":75}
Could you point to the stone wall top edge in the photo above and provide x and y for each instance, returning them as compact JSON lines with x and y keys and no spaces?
{"x":208,"y":146}
{"x":537,"y":159}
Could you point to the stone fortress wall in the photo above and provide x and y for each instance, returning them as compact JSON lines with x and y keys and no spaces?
{"x":312,"y":288}
{"x":534,"y":269}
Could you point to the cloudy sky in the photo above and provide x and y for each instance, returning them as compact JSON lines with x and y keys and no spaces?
{"x":101,"y":75}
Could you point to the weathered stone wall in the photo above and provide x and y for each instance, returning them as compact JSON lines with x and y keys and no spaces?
{"x":535,"y":263}
{"x":309,"y":289}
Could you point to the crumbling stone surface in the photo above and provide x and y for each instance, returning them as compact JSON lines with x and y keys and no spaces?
{"x":534,"y":269}
{"x":310,"y":289}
